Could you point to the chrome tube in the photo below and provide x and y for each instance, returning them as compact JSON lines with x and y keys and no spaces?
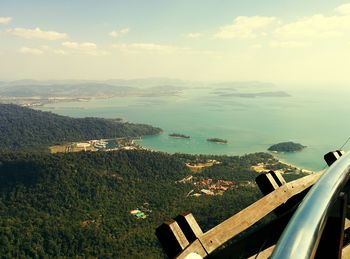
{"x":303,"y":232}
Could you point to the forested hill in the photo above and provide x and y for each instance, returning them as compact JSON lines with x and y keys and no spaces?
{"x":27,"y":128}
{"x":78,"y":204}
{"x":70,"y":205}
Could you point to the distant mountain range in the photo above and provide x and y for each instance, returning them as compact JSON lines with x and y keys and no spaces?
{"x":61,"y":90}
{"x":35,"y":93}
{"x":142,"y":83}
{"x":84,"y":90}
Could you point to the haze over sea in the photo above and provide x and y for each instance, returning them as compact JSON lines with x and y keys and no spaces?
{"x":315,"y":118}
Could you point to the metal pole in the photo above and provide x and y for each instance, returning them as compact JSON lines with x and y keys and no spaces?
{"x":303,"y":233}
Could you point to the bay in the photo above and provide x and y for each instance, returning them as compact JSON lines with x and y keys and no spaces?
{"x":315,"y":118}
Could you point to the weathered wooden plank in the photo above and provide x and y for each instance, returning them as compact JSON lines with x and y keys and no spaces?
{"x":347,"y":224}
{"x":196,"y":247}
{"x":172,"y":238}
{"x":254,"y":239}
{"x":271,"y":181}
{"x":189,"y":226}
{"x":333,"y":156}
{"x":278,"y":178}
{"x":346,"y":252}
{"x":265,"y":254}
{"x":266,"y":183}
{"x":250,"y":215}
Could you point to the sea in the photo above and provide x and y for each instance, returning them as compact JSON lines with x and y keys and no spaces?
{"x":318,"y":118}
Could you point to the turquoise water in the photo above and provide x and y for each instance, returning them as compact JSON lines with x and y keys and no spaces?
{"x":317,"y":119}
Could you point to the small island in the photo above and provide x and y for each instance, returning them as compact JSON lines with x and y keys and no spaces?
{"x":286,"y":147}
{"x":217,"y":140}
{"x":177,"y":135}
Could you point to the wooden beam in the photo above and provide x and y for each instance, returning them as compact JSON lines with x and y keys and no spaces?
{"x":278,"y":178}
{"x":244,"y":219}
{"x":197,"y":248}
{"x":333,"y":156}
{"x":346,"y":252}
{"x":254,"y":239}
{"x":172,"y":238}
{"x":271,"y":181}
{"x":347,"y":224}
{"x":265,"y":254}
{"x":189,"y":226}
{"x":266,"y":183}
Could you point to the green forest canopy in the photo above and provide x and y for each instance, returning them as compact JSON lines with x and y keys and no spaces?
{"x":22,"y":127}
{"x":286,"y":147}
{"x":46,"y":198}
{"x":78,"y":204}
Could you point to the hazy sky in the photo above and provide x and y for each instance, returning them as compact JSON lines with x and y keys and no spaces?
{"x":292,"y":41}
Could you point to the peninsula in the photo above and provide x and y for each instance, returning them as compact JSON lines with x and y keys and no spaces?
{"x":28,"y":129}
{"x":286,"y":147}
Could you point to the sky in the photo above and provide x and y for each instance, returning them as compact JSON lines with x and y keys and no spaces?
{"x":289,"y":41}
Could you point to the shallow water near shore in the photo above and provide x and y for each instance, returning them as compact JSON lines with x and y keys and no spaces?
{"x":316,"y":119}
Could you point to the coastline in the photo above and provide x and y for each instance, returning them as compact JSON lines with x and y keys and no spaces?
{"x":303,"y":170}
{"x":211,"y":122}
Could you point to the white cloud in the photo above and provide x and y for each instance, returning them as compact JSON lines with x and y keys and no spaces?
{"x":85,"y":46}
{"x":37,"y":33}
{"x":5,"y":20}
{"x":89,"y":48}
{"x":67,"y":48}
{"x":289,"y":44}
{"x":118,"y":33}
{"x":33,"y":51}
{"x":301,"y":32}
{"x":60,"y":52}
{"x":315,"y":27}
{"x":343,"y":9}
{"x":245,"y":27}
{"x":147,"y":47}
{"x":193,"y":35}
